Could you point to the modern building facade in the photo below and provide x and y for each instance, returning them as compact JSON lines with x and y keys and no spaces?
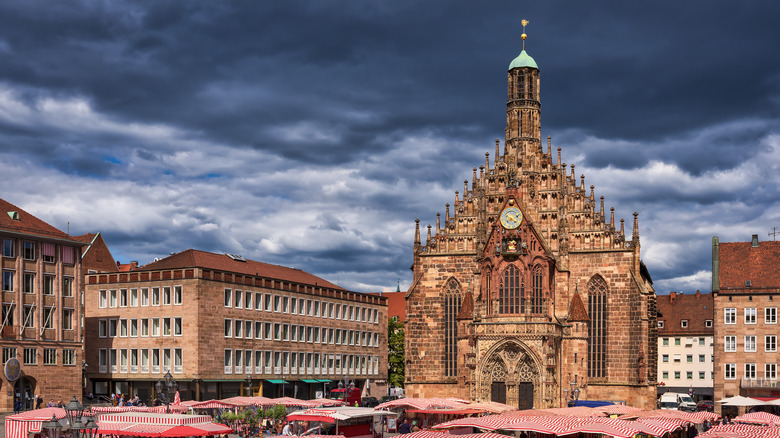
{"x":746,"y":289}
{"x":217,"y":321}
{"x":41,"y":334}
{"x":526,"y":291}
{"x":685,"y":344}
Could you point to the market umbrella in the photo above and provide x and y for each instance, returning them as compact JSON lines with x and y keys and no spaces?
{"x":758,"y":418}
{"x":738,"y":400}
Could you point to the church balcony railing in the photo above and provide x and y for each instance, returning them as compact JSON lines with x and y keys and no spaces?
{"x":759,"y":383}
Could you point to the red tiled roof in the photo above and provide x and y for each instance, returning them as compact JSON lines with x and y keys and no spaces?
{"x":396,"y":304}
{"x":222,"y":262}
{"x":27,"y":223}
{"x":695,"y":308}
{"x":577,"y":312}
{"x":740,"y":262}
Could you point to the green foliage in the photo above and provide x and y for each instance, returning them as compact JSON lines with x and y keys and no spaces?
{"x":396,"y":354}
{"x":277,"y":412}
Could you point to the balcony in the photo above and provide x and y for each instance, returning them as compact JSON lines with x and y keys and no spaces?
{"x":759,"y":383}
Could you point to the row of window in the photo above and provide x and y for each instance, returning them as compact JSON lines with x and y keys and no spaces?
{"x":134,"y":360}
{"x":29,"y":284}
{"x":293,"y":362}
{"x":271,"y":331}
{"x":684,"y":323}
{"x":48,"y":251}
{"x":249,"y":300}
{"x":143,"y":327}
{"x":688,"y":358}
{"x":770,"y":344}
{"x":751,"y":313}
{"x":131,"y":298}
{"x":688,"y":375}
{"x":50,"y":356}
{"x":770,"y":371}
{"x":28,"y":316}
{"x":689,"y":341}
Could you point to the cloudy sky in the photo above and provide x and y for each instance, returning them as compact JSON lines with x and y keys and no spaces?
{"x":313,"y":133}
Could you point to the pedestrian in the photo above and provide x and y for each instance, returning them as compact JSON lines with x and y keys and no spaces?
{"x":404,"y":428}
{"x":17,"y":406}
{"x":38,"y":402}
{"x":287,"y":429}
{"x":415,"y":427}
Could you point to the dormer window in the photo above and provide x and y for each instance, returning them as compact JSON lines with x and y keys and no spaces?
{"x":660,"y":324}
{"x":684,"y":323}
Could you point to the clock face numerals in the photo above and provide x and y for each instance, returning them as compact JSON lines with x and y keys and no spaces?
{"x":511,"y":218}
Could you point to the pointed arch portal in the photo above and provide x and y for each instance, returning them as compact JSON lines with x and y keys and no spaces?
{"x":510,"y":374}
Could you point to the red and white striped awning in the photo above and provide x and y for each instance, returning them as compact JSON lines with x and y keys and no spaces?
{"x":19,"y":425}
{"x":289,"y":401}
{"x":758,"y":418}
{"x":736,"y":430}
{"x":211,"y":404}
{"x":424,"y":403}
{"x":617,"y":409}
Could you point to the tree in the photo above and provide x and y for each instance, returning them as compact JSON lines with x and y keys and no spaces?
{"x":396,"y":355}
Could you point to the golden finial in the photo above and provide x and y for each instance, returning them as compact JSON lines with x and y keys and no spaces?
{"x":524,"y":36}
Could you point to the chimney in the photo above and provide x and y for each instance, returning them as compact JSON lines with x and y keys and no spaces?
{"x":118,"y":264}
{"x":755,"y":241}
{"x":673,"y":297}
{"x":133,"y":265}
{"x":698,"y":294}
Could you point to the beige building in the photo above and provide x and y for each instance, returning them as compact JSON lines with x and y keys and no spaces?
{"x":685,"y":344}
{"x":746,"y":287}
{"x":40,"y":336}
{"x":214,"y":320}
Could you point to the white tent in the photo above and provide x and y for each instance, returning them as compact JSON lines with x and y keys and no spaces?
{"x":738,"y":400}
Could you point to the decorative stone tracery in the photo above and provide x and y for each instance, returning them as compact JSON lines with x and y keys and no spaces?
{"x":514,"y":364}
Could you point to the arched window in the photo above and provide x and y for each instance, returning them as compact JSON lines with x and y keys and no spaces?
{"x":537,"y":296}
{"x":511,"y":294}
{"x":597,"y":331}
{"x":451,"y":308}
{"x":520,"y":85}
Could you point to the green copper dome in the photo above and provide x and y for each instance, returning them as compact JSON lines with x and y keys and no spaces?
{"x":523,"y":60}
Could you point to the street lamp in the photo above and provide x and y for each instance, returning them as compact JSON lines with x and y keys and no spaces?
{"x":249,"y":384}
{"x":170,"y":386}
{"x":80,"y":423}
{"x":574,"y":394}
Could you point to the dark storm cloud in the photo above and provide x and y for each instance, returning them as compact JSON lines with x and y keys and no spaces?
{"x":248,"y":126}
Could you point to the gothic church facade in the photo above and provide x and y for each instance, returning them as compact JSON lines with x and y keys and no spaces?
{"x":527,"y":292}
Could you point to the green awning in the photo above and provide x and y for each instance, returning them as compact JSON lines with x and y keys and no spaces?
{"x":323,"y":381}
{"x":278,"y":382}
{"x":310,"y":380}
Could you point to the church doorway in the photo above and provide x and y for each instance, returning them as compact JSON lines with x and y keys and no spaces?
{"x":509,"y":374}
{"x":498,"y":392}
{"x":23,"y":390}
{"x":526,"y":396}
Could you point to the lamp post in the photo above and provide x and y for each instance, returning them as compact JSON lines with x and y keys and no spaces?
{"x":248,"y":385}
{"x":80,"y":423}
{"x":170,"y":386}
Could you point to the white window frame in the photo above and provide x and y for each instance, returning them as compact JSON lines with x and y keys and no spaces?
{"x":730,"y":315}
{"x":751,"y":315}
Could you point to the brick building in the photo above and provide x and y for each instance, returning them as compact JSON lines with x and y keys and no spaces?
{"x":214,"y":319}
{"x":527,"y":289}
{"x":746,"y":289}
{"x":41,"y":335}
{"x":685,"y":344}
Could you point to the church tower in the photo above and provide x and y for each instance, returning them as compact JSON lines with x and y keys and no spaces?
{"x":523,"y":108}
{"x":526,"y":291}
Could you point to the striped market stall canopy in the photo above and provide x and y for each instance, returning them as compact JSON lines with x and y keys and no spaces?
{"x":19,"y":425}
{"x":758,"y":418}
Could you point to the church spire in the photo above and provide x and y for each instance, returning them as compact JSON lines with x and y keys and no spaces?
{"x":523,"y":130}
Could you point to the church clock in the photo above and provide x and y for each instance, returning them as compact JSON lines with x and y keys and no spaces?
{"x":511,"y":218}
